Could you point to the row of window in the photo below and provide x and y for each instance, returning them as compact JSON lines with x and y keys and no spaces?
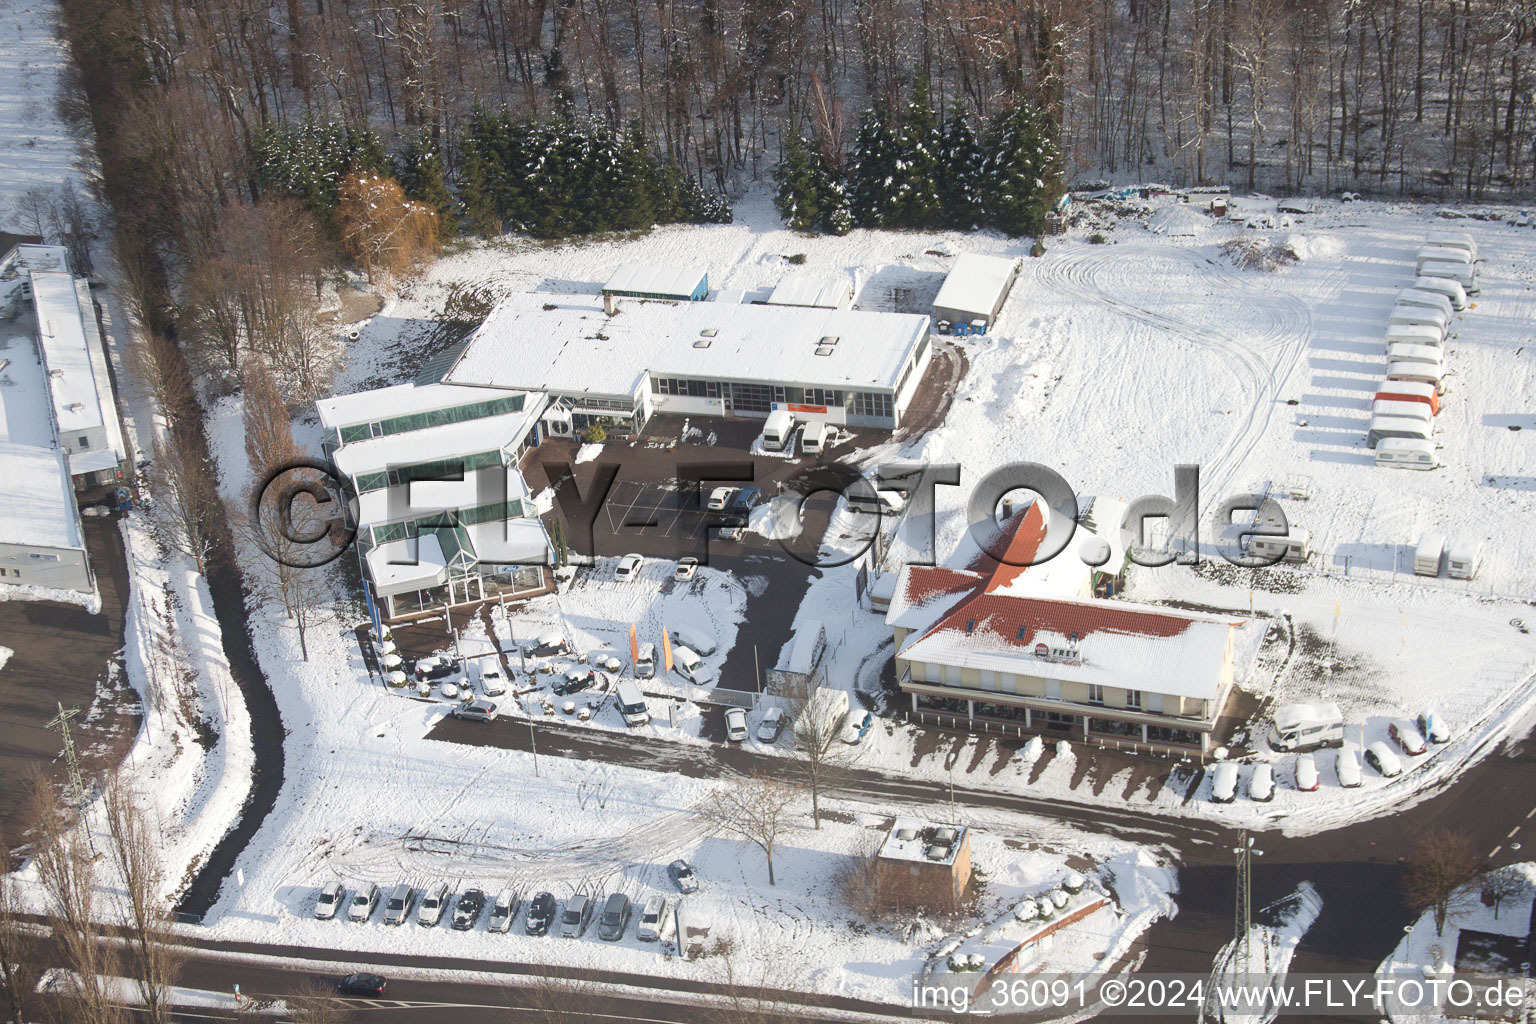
{"x":433,"y":418}
{"x":998,"y":681}
{"x":495,"y":512}
{"x":871,"y":403}
{"x":1096,"y":696}
{"x":443,"y":469}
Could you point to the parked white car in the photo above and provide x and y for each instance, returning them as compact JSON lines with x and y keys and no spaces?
{"x":1224,"y":783}
{"x":1348,"y":768}
{"x":1261,"y":784}
{"x":430,"y":910}
{"x":493,"y":683}
{"x":719,"y":498}
{"x":1383,"y":760}
{"x":364,"y":901}
{"x":691,"y":667}
{"x":655,"y":922}
{"x":687,"y":566}
{"x":735,"y":725}
{"x":329,"y":901}
{"x":628,"y":569}
{"x":1306,"y":773}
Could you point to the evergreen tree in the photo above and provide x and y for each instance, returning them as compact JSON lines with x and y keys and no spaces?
{"x":801,"y":198}
{"x":874,"y":182}
{"x":916,"y":202}
{"x":960,"y":184}
{"x":309,"y":160}
{"x":632,"y":193}
{"x":420,"y":172}
{"x":481,"y":213}
{"x":1022,"y":172}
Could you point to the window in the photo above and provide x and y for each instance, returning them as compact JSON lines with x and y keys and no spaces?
{"x":874,"y":404}
{"x":970,"y":626}
{"x":85,"y":442}
{"x":1133,"y":699}
{"x":1095,"y":693}
{"x":1022,"y":630}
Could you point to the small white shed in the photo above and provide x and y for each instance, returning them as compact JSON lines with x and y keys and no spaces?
{"x":975,"y":289}
{"x":1428,"y":555}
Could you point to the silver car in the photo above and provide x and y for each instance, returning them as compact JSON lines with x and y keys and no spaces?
{"x":576,"y":917}
{"x":398,"y":907}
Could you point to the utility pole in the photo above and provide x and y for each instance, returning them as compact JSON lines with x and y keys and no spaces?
{"x":72,"y":762}
{"x":1242,"y":920}
{"x":533,"y":743}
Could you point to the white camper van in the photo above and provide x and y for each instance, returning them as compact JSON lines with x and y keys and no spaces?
{"x":1413,"y":316}
{"x":1396,"y":426}
{"x":1463,"y":274}
{"x":1406,"y":453}
{"x":1428,"y":253}
{"x":813,"y":437}
{"x":1463,"y":557}
{"x":1415,"y":334}
{"x":1419,"y":373}
{"x":1409,"y":391}
{"x":1294,"y":547}
{"x":1453,"y":240}
{"x":1398,"y":352}
{"x":778,"y":430}
{"x":1427,"y":299}
{"x":1401,"y":407}
{"x":1427,"y":556}
{"x":632,"y":703}
{"x":1453,"y":292}
{"x":1307,"y":727}
{"x":1443,"y":286}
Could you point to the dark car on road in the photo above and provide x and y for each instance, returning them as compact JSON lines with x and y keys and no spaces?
{"x":467,"y":911}
{"x":541,"y":914}
{"x":361,"y":984}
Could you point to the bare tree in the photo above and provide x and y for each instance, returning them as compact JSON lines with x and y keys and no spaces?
{"x":152,"y":954}
{"x":314,"y":1003}
{"x":70,"y":221}
{"x":154,"y":362}
{"x":1440,"y":866}
{"x":824,"y":758}
{"x":755,"y":808}
{"x":557,"y":999}
{"x":186,"y":500}
{"x":66,"y":872}
{"x":18,"y":970}
{"x":1506,"y":883}
{"x":31,"y":211}
{"x":753,"y":988}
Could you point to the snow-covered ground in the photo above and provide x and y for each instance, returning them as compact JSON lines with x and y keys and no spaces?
{"x":37,"y":149}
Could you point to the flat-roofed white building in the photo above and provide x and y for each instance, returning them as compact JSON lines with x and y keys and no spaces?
{"x":658,"y":281}
{"x":821,"y":289}
{"x":843,"y":366}
{"x":81,"y":390}
{"x":41,"y":543}
{"x":974,"y":291}
{"x":444,"y":515}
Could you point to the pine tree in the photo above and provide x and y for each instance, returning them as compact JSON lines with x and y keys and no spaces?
{"x":633,"y":190}
{"x":873,"y":183}
{"x":476,"y":175}
{"x":916,"y":202}
{"x":960,"y":185}
{"x":421,"y":174}
{"x":1022,"y":172}
{"x":800,"y":198}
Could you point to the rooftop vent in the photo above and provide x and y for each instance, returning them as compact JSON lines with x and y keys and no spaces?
{"x":825,"y":350}
{"x":936,"y":852}
{"x":702,"y":343}
{"x":830,"y":339}
{"x":906,"y":835}
{"x":55,"y":373}
{"x":946,"y":836}
{"x":709,"y":332}
{"x":76,"y":406}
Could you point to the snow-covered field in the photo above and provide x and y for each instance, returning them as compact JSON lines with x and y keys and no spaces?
{"x":37,"y":150}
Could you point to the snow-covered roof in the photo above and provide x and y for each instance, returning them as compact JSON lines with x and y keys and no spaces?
{"x":826,"y":289}
{"x":567,"y":344}
{"x":396,"y":400}
{"x":910,"y":839}
{"x":388,"y":565}
{"x":422,"y":497}
{"x":77,"y":405}
{"x":434,"y":443}
{"x":649,"y":279}
{"x":27,"y":256}
{"x":975,"y":283}
{"x":39,"y":507}
{"x":85,"y":462}
{"x":512,"y":542}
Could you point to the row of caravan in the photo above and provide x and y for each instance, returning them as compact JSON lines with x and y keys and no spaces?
{"x":1418,"y":327}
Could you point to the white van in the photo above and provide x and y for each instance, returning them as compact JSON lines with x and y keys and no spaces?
{"x":690,"y":666}
{"x":1415,"y":334}
{"x":1401,"y":407}
{"x":1418,"y":373}
{"x":1454,"y":293}
{"x":1399,"y":352}
{"x":1413,"y":316}
{"x":1431,"y":253}
{"x":813,"y":437}
{"x":1427,"y":299}
{"x":1395,"y":426}
{"x":1406,"y":453}
{"x":1427,"y":556}
{"x":701,"y":643}
{"x":778,"y":430}
{"x":1463,"y":274}
{"x":631,"y":703}
{"x":1463,"y":558}
{"x":1306,"y":727}
{"x":1453,"y":240}
{"x":645,"y":661}
{"x":1296,"y":546}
